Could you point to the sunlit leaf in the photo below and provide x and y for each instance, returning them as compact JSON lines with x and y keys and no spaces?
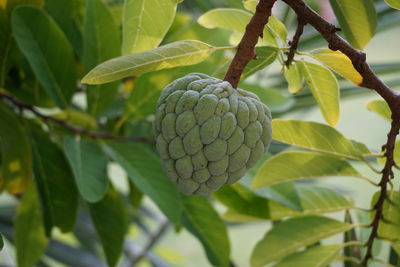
{"x":315,"y":136}
{"x":30,"y":237}
{"x":101,"y":42}
{"x":393,"y":3}
{"x":55,"y":181}
{"x":288,"y":236}
{"x":89,"y":166}
{"x":303,"y":165}
{"x":16,"y":155}
{"x":277,"y":28}
{"x":176,"y":54}
{"x":235,"y":20}
{"x":145,"y":23}
{"x":47,"y":51}
{"x":312,"y":257}
{"x":357,"y":19}
{"x":110,"y":219}
{"x":294,"y":78}
{"x":338,"y":62}
{"x":250,"y":5}
{"x":381,"y":108}
{"x":389,"y":227}
{"x":144,"y":170}
{"x":325,"y":89}
{"x":203,"y":221}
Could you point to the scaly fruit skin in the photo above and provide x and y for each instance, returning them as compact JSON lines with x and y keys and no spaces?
{"x":208,"y":133}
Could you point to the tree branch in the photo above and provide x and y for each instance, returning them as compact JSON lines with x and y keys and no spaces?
{"x":73,"y":128}
{"x":245,"y":51}
{"x":295,"y":41}
{"x":371,"y":81}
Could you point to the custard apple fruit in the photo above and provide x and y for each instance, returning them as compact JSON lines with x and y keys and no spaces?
{"x":208,"y":133}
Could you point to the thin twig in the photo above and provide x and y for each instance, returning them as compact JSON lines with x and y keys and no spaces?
{"x":371,"y":81}
{"x":245,"y":51}
{"x":73,"y":128}
{"x":152,"y":241}
{"x":295,"y":41}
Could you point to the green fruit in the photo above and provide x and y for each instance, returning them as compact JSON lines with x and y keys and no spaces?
{"x":209,"y":134}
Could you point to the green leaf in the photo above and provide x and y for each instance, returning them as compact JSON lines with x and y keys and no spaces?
{"x":55,"y":182}
{"x":312,"y":257}
{"x":393,"y":3}
{"x":288,"y":236}
{"x":110,"y":219}
{"x":294,"y":78}
{"x":266,"y":55}
{"x":16,"y":155}
{"x":274,"y":99}
{"x":101,"y":42}
{"x":243,"y":204}
{"x":381,"y":108}
{"x":303,"y":165}
{"x":315,"y":136}
{"x":233,"y":19}
{"x":203,"y":221}
{"x":277,"y":28}
{"x":47,"y":51}
{"x":389,"y":227}
{"x":145,"y":23}
{"x":89,"y":165}
{"x":338,"y":62}
{"x":30,"y":237}
{"x":314,"y":200}
{"x":357,"y":19}
{"x":176,"y":54}
{"x":225,"y":18}
{"x":1,"y":242}
{"x":144,"y":170}
{"x":325,"y":89}
{"x":250,"y":5}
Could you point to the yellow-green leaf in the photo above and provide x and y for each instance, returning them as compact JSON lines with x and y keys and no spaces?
{"x":389,"y":227}
{"x":288,"y":236}
{"x":250,"y":5}
{"x":234,"y":19}
{"x":393,"y":3}
{"x":16,"y":155}
{"x":381,"y":108}
{"x":312,"y":257}
{"x":294,"y":78}
{"x":176,"y":54}
{"x":339,"y":63}
{"x":357,"y":19}
{"x":145,"y":23}
{"x":317,"y":137}
{"x":303,"y":165}
{"x":325,"y":89}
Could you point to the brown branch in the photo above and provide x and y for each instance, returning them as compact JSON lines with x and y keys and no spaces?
{"x":295,"y":41}
{"x":371,"y":81}
{"x":73,"y":128}
{"x":245,"y":51}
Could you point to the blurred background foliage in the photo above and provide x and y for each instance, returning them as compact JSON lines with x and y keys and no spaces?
{"x":117,"y":218}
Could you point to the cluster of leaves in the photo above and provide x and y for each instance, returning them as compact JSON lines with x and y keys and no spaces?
{"x":61,"y":179}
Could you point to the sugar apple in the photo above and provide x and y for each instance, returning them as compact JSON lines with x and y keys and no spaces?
{"x":208,"y":133}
